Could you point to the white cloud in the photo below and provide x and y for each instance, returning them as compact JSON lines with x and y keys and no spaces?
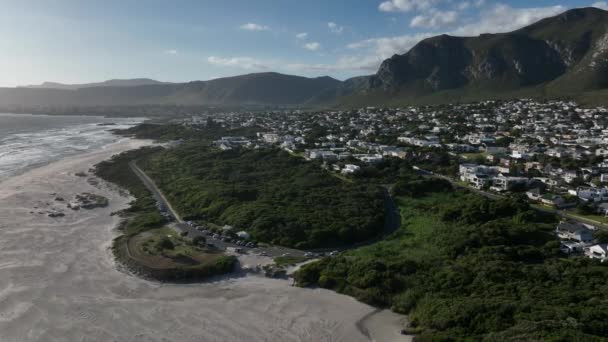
{"x":170,"y":52}
{"x":335,"y":28}
{"x":238,"y":62}
{"x":365,"y":64}
{"x":499,"y":18}
{"x":365,"y":56}
{"x":463,"y":5}
{"x":503,"y":18}
{"x":254,"y":27}
{"x":435,"y":19}
{"x":386,"y":47}
{"x":312,"y":46}
{"x":302,"y":35}
{"x":601,"y":4}
{"x":479,"y":3}
{"x":406,"y":5}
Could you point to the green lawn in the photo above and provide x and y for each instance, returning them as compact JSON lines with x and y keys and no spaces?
{"x":595,"y":218}
{"x":473,"y":156}
{"x":412,"y":240}
{"x":181,"y":247}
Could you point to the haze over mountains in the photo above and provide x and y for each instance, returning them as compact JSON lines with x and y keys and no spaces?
{"x":565,"y":55}
{"x":109,"y":83}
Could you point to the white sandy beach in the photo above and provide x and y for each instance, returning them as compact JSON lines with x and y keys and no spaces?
{"x":58,"y":280}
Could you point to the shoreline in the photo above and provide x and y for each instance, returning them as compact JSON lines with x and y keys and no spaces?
{"x":60,"y":281}
{"x":66,"y":156}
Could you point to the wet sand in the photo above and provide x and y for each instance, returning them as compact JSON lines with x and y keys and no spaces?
{"x":59,"y":282}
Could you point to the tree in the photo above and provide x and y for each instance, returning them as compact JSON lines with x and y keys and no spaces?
{"x":199,"y":240}
{"x":164,"y":243}
{"x":601,"y":236}
{"x":584,"y":209}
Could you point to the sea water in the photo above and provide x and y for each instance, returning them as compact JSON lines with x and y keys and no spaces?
{"x":28,"y":141}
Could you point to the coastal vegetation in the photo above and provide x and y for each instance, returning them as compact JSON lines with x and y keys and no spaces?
{"x":462,"y":266}
{"x":276,"y":197}
{"x":147,"y":246}
{"x":163,"y":254}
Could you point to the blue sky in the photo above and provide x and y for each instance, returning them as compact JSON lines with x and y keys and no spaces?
{"x":74,"y":41}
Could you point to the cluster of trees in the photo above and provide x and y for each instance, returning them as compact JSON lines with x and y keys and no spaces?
{"x":276,"y":197}
{"x":166,"y":132}
{"x":142,"y":212}
{"x":465,"y":267}
{"x":420,"y":186}
{"x":143,"y":215}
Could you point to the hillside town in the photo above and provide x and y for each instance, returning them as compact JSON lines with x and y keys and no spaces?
{"x":553,"y":152}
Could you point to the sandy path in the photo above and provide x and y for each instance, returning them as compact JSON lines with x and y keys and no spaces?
{"x":58,"y":281}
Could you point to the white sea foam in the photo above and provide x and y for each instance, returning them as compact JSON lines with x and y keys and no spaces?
{"x":37,"y":140}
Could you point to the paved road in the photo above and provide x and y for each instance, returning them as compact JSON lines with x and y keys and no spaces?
{"x":391,"y":223}
{"x":158,"y":195}
{"x":181,"y":226}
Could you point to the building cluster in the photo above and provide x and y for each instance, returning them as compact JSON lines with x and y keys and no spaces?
{"x":553,"y":150}
{"x":577,"y":239}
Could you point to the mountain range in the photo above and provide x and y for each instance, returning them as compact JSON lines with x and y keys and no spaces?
{"x":109,"y":83}
{"x":562,"y":56}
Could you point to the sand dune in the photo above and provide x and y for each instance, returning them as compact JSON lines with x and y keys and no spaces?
{"x":58,"y":280}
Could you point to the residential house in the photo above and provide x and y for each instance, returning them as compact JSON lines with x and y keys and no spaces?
{"x":350,"y":169}
{"x":599,"y":252}
{"x":591,"y":194}
{"x":504,"y":183}
{"x":574,"y":232}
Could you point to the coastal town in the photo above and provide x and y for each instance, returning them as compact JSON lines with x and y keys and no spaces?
{"x":553,"y":152}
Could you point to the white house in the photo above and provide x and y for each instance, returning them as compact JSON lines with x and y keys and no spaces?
{"x":590,"y":194}
{"x":504,"y":183}
{"x":574,"y":232}
{"x":243,"y":235}
{"x":271,"y":138}
{"x":599,"y":252}
{"x":477,"y":175}
{"x":350,"y":168}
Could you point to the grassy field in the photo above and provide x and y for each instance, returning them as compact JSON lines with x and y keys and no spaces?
{"x":474,"y":156}
{"x":594,"y":218}
{"x":146,"y":248}
{"x":417,"y":228}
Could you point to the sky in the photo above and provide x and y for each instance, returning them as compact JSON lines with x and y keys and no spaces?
{"x":79,"y":41}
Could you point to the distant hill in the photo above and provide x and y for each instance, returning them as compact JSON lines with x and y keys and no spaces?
{"x":562,"y":56}
{"x":269,"y":88}
{"x":109,"y":83}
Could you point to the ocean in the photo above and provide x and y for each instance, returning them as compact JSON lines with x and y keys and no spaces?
{"x":28,"y":141}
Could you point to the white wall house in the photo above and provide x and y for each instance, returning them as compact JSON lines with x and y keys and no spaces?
{"x":594,"y":195}
{"x":350,"y":168}
{"x":599,"y":252}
